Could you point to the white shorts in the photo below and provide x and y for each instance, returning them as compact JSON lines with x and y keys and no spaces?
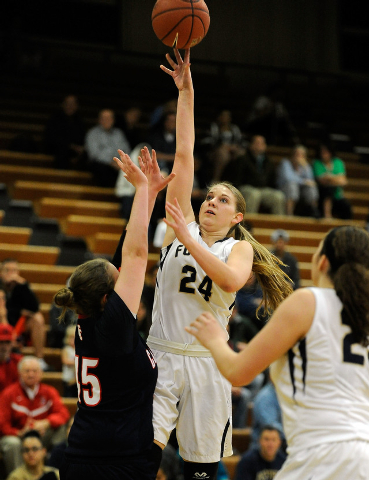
{"x":192,"y":396}
{"x":330,"y":461}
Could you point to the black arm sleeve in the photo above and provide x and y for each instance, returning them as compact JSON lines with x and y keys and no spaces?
{"x":117,"y":259}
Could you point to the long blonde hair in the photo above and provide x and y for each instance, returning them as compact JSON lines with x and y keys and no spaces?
{"x":275,"y":284}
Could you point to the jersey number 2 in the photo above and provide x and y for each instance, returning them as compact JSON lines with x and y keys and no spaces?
{"x":204,"y":288}
{"x":348,"y":355}
{"x":87,"y":381}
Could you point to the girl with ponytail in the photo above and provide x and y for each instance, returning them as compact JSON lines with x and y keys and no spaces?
{"x":317,"y":345}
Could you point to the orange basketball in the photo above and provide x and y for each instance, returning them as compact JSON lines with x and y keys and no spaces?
{"x":180,"y":23}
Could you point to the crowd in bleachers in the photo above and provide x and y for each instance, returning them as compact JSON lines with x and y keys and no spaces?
{"x":61,"y":205}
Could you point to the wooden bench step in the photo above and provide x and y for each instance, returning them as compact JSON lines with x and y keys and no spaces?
{"x":84,"y":225}
{"x":52,"y":356}
{"x":15,"y":235}
{"x":37,"y":273}
{"x":8,"y":157}
{"x":29,"y":253}
{"x":62,"y":207}
{"x":231,"y":465}
{"x":11,"y":173}
{"x":25,"y":190}
{"x":45,"y":292}
{"x":300,"y":238}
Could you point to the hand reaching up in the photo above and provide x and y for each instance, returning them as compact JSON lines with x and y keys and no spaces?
{"x":181,"y":72}
{"x":150,"y":168}
{"x":131,"y":171}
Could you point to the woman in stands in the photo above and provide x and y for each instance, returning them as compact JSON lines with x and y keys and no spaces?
{"x":318,"y":340}
{"x":201,"y":268}
{"x":112,"y":433}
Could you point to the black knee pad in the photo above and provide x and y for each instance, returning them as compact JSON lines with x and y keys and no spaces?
{"x":200,"y":471}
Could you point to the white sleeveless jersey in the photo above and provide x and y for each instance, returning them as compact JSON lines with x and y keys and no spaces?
{"x":183,"y":290}
{"x":322,"y":383}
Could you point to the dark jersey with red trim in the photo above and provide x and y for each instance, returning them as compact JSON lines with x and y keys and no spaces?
{"x":116,"y":377}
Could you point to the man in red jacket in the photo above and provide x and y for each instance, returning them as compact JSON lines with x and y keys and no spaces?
{"x":29,"y":405}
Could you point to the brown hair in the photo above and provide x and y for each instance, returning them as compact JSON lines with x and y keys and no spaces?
{"x":347,"y":249}
{"x":275,"y":284}
{"x":87,"y":286}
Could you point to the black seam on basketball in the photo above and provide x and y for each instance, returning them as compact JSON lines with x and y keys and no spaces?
{"x":182,"y":8}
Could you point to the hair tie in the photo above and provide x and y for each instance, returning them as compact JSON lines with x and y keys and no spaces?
{"x":71,"y":289}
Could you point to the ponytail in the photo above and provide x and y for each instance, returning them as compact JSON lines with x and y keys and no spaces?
{"x":275,"y":284}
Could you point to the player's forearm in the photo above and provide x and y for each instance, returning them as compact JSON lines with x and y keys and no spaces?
{"x":185,"y":128}
{"x":136,"y":242}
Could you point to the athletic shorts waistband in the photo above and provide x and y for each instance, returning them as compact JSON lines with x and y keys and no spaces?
{"x":177,"y":348}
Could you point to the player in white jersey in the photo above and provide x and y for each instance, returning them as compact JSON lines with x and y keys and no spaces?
{"x":318,"y":340}
{"x":201,"y":268}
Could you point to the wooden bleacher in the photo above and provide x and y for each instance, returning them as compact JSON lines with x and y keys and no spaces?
{"x":62,"y":208}
{"x":11,"y":173}
{"x":8,"y":157}
{"x":17,"y":235}
{"x":29,"y":253}
{"x":36,"y":273}
{"x":26,"y":190}
{"x":84,"y":225}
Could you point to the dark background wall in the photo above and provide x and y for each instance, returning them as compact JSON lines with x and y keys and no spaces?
{"x":312,"y":35}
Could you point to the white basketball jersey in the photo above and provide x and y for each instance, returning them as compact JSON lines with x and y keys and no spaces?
{"x":322,"y":383}
{"x":183,"y":290}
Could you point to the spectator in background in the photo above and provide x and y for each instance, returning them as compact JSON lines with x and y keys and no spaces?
{"x":269,"y":117}
{"x":102,"y":143}
{"x":33,"y":454}
{"x":29,"y":405}
{"x":162,"y":138}
{"x":266,"y":411}
{"x":68,"y":363}
{"x":295,"y":178}
{"x":264,"y":461}
{"x":223,"y":143}
{"x":160,"y":111}
{"x":64,"y":134}
{"x":23,"y":308}
{"x":170,"y":465}
{"x":57,"y":329}
{"x":330,"y":174}
{"x":241,"y":330}
{"x":57,"y":452}
{"x":255,"y":176}
{"x":280,"y":239}
{"x":124,"y":190}
{"x":128,"y":122}
{"x":8,"y":360}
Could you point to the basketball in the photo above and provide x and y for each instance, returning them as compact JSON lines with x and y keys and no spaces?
{"x":180,"y":23}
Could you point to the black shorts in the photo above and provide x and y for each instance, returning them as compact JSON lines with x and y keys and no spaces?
{"x":80,"y":470}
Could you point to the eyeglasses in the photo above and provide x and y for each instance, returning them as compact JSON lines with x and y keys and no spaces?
{"x":31,"y":449}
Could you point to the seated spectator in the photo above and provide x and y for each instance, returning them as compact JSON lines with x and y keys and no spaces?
{"x":280,"y":239}
{"x":57,"y":451}
{"x":263,"y":461}
{"x":266,"y":411}
{"x":241,"y":330}
{"x":57,"y":329}
{"x":224,"y":143}
{"x":68,"y":363}
{"x":269,"y":117}
{"x":64,"y":134}
{"x":33,"y":454}
{"x":8,"y":360}
{"x":102,"y":143}
{"x":29,"y":405}
{"x":248,"y":299}
{"x":330,"y":174}
{"x":170,"y":106}
{"x":128,"y":122}
{"x":124,"y":190}
{"x":23,"y":308}
{"x":295,"y":178}
{"x":254,"y":175}
{"x":162,"y":139}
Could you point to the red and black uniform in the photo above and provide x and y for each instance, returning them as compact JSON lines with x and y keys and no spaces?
{"x":112,"y":433}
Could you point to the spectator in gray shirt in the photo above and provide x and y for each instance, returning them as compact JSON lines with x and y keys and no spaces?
{"x":102,"y":143}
